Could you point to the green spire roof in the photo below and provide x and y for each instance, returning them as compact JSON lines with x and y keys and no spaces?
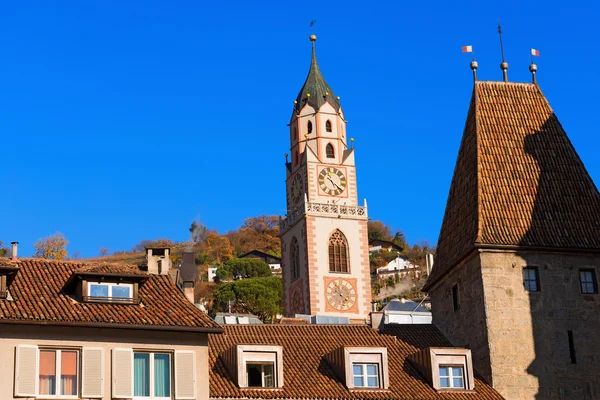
{"x":315,"y":90}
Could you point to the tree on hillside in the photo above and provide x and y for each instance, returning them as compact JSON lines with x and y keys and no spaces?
{"x":198,"y":232}
{"x":104,"y":251}
{"x":218,"y":248}
{"x":3,"y":250}
{"x":53,"y":247}
{"x":377,"y":230}
{"x":243,"y":267}
{"x":143,"y":244}
{"x":262,"y":297}
{"x":257,"y":233}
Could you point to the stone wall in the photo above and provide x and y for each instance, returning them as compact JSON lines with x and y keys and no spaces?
{"x":467,"y":326}
{"x":528,"y":331}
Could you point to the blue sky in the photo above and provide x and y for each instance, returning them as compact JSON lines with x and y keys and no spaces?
{"x":127,"y":120}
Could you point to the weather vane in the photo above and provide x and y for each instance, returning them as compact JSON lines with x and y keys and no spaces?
{"x":500,"y":33}
{"x":504,"y":64}
{"x":312,"y":26}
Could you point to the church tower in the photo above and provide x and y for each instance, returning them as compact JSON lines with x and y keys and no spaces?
{"x":324,"y":239}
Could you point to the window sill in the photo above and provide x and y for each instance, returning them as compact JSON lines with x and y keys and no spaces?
{"x":109,"y":300}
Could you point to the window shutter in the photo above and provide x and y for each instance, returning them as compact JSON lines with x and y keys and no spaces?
{"x":122,"y":373}
{"x":185,"y":375}
{"x":26,"y":371}
{"x":92,"y":381}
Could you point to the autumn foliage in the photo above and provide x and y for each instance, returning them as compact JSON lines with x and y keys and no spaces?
{"x":53,"y":247}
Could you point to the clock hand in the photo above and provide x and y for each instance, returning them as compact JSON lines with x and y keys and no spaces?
{"x":335,"y":184}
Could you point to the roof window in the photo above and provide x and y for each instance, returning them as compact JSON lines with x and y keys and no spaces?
{"x":109,"y":292}
{"x":361,"y":367}
{"x":256,"y":366}
{"x":446,"y":368}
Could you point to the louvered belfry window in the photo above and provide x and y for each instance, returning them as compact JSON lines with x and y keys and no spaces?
{"x":295,"y":258}
{"x":338,"y":252}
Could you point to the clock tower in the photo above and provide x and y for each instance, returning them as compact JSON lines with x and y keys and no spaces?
{"x":324,"y":239}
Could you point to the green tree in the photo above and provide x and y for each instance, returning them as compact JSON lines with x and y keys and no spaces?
{"x":244,"y":267}
{"x":53,"y":247}
{"x":262,"y":297}
{"x":3,"y":250}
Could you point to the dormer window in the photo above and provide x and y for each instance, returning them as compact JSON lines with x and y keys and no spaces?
{"x":256,"y":366}
{"x":446,"y":368}
{"x":361,"y":367}
{"x":7,"y":275}
{"x":109,"y":292}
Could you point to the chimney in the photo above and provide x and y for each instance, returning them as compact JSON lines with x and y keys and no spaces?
{"x":429,"y":263}
{"x":377,"y":320}
{"x":188,"y":273}
{"x":15,"y":250}
{"x":158,"y":260}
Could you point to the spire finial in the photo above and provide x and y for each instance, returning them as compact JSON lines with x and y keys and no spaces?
{"x":533,"y":67}
{"x":313,"y":37}
{"x":504,"y":64}
{"x":474,"y":65}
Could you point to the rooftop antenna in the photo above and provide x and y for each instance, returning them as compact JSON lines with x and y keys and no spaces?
{"x":533,"y":68}
{"x":504,"y":64}
{"x":474,"y":65}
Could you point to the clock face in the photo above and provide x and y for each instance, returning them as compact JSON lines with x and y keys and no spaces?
{"x":297,"y":188}
{"x":332,"y":181}
{"x":341,"y":294}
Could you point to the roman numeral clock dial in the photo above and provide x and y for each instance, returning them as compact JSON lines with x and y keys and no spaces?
{"x":332,"y":181}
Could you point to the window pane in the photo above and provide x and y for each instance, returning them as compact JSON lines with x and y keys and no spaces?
{"x":141,"y":374}
{"x":445,"y":382}
{"x":99,"y":290}
{"x":357,"y":369}
{"x":359,"y":381}
{"x":121,"y":291}
{"x":457,"y":371}
{"x":457,"y":383}
{"x":68,"y":373}
{"x":373,"y":382}
{"x":47,"y":372}
{"x":268,"y":375}
{"x":371,"y":369}
{"x":444,"y":371}
{"x":162,"y":375}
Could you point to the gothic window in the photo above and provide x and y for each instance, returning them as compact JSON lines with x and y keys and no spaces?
{"x":328,"y":126}
{"x":295,"y":258}
{"x":309,"y":127}
{"x":338,"y":252}
{"x":329,"y":151}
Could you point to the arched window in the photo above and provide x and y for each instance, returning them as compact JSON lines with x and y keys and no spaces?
{"x":309,"y":127}
{"x":329,"y":151}
{"x":338,"y":252}
{"x":328,"y":126}
{"x":295,"y":258}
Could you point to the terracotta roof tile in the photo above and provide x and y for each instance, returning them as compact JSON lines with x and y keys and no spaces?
{"x":307,"y":374}
{"x":518,"y":181}
{"x":37,"y":297}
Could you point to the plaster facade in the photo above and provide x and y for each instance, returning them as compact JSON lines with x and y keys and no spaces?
{"x":107,"y":339}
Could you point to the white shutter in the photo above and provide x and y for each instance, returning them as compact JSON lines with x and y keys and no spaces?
{"x":92,"y":380}
{"x":26,"y":371}
{"x":185,"y":375}
{"x":122,"y":373}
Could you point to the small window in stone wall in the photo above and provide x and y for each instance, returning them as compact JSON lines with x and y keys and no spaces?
{"x":587,"y":280}
{"x":455,"y":300}
{"x":309,"y":127}
{"x":530,"y":279}
{"x":328,"y":126}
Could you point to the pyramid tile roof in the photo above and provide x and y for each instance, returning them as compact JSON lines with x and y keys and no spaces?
{"x":307,"y":374}
{"x":38,"y":297}
{"x":518,"y":181}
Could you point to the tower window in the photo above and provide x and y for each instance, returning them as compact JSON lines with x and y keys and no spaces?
{"x":295,"y":158}
{"x":309,"y":127}
{"x":572,"y":347}
{"x":455,"y":301}
{"x":329,"y":151}
{"x":328,"y":126}
{"x":530,"y":279}
{"x":338,"y":252}
{"x":295,"y":258}
{"x":587,"y":279}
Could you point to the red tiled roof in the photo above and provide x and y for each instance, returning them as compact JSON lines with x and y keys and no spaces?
{"x":108,"y":268}
{"x":518,"y":181}
{"x":307,"y":374}
{"x":37,"y":298}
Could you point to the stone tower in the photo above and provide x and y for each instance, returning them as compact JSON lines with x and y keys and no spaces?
{"x":515,"y":277}
{"x":324,"y":235}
